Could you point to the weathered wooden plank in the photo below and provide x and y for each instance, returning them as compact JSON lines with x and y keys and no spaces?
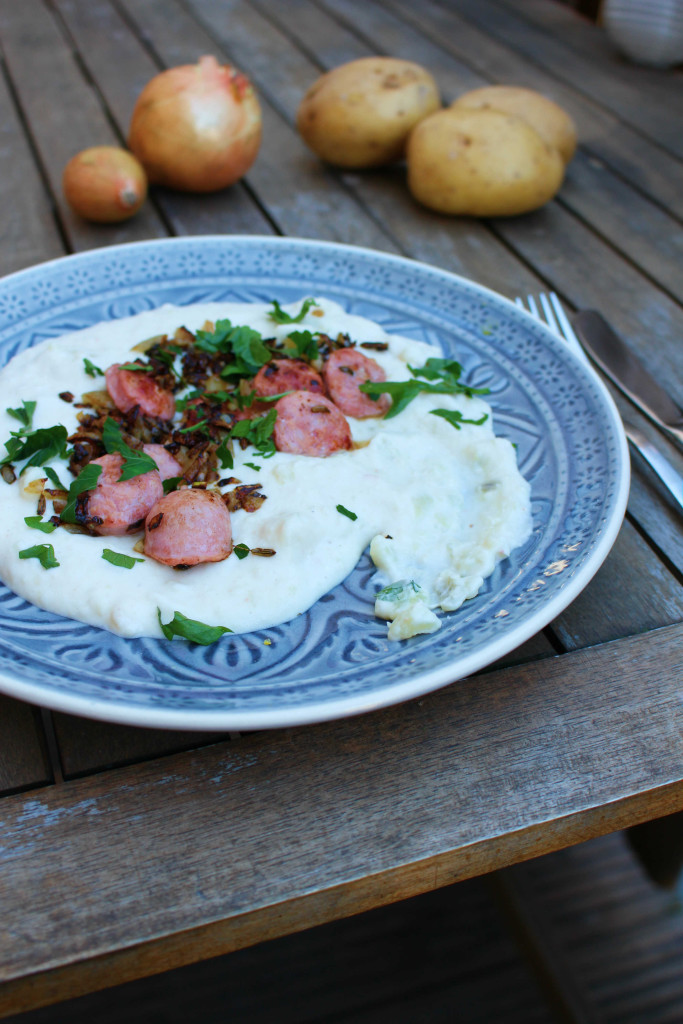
{"x":29,"y":230}
{"x":87,"y":746}
{"x":121,"y":66}
{"x":645,"y":165}
{"x":637,"y":97}
{"x":64,"y":114}
{"x":301,"y":197}
{"x":288,"y":830}
{"x":23,"y":755}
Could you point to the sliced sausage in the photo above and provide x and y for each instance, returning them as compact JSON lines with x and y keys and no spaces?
{"x":116,"y":505}
{"x":188,"y":527}
{"x":168,"y":466}
{"x":309,"y":424}
{"x":344,"y":372}
{"x":287,"y":375}
{"x":129,"y":388}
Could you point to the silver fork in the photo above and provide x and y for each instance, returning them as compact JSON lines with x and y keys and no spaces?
{"x":553,"y":316}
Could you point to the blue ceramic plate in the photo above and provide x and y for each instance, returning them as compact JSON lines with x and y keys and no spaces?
{"x":335,"y":660}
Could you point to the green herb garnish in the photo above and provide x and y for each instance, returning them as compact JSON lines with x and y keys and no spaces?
{"x":36,"y":523}
{"x":258,"y":432}
{"x":241,"y":550}
{"x":395,"y":591}
{"x":45,"y":554}
{"x":446,"y":373}
{"x":280,"y":317}
{"x":136,"y":367}
{"x":135,"y":463}
{"x":244,"y":344}
{"x":91,"y":369}
{"x":305,"y":345}
{"x":85,"y":481}
{"x":24,"y":413}
{"x":224,"y":453}
{"x":36,"y":447}
{"x":117,"y":558}
{"x":455,"y":418}
{"x":191,"y":629}
{"x":195,"y":426}
{"x":345,"y":512}
{"x":53,"y":478}
{"x":252,"y":465}
{"x":171,"y":483}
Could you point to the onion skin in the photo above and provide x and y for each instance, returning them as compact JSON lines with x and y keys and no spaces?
{"x":104,"y":184}
{"x":196,"y":127}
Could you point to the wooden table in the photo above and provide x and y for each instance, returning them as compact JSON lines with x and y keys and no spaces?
{"x":126,"y":852}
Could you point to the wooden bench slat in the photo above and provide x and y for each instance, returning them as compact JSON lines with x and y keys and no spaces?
{"x":23,"y":755}
{"x":286,"y":830}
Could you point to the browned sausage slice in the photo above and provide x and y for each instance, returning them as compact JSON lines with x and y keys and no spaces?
{"x":309,"y":424}
{"x":188,"y":527}
{"x":168,"y":466}
{"x":119,"y":504}
{"x":287,"y":375}
{"x":344,"y":372}
{"x":129,"y":388}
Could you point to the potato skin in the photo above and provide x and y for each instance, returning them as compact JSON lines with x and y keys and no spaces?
{"x":552,"y":123}
{"x":361,"y":113}
{"x":481,"y":163}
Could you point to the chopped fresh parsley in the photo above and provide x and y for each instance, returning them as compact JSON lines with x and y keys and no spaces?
{"x":455,"y":418}
{"x":280,"y":317}
{"x":171,"y":483}
{"x":252,"y":465}
{"x":91,"y":369}
{"x":191,"y":629}
{"x":258,"y":432}
{"x":244,"y":344}
{"x":241,"y":550}
{"x":135,"y":463}
{"x":36,"y":523}
{"x":36,"y":446}
{"x":345,"y":512}
{"x":45,"y":554}
{"x":305,"y":345}
{"x":53,"y":478}
{"x":136,"y":367}
{"x":397,"y":591}
{"x":85,"y":481}
{"x":195,"y":426}
{"x":24,"y":413}
{"x":445,"y":372}
{"x":117,"y":558}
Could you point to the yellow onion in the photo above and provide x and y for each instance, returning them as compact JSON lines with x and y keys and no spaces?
{"x":196,"y":127}
{"x":104,"y":184}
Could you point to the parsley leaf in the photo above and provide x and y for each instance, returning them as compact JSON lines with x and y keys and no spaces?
{"x":53,"y":478}
{"x":171,"y":483}
{"x":224,"y":453}
{"x":38,"y":446}
{"x":345,"y":512}
{"x":135,"y":463}
{"x":241,"y":550}
{"x":216,"y":340}
{"x":446,"y":373}
{"x":305,"y":344}
{"x":85,"y":481}
{"x":36,"y":523}
{"x":191,"y":629}
{"x":45,"y":554}
{"x":455,"y":418}
{"x":258,"y":432}
{"x":117,"y":558}
{"x":24,"y":413}
{"x":91,"y":369}
{"x":137,"y":367}
{"x":280,"y":317}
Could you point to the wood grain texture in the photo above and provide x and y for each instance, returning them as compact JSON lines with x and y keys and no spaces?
{"x":231,"y":845}
{"x":64,"y":113}
{"x":23,"y":757}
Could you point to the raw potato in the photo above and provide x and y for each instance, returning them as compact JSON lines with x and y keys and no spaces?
{"x":481,"y":163}
{"x":360,"y":114}
{"x":552,"y":123}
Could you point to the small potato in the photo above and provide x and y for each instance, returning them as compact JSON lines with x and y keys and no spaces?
{"x":360,"y":114}
{"x":552,"y":123}
{"x":481,"y":163}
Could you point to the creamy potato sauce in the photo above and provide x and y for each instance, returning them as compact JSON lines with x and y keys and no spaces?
{"x":438,"y":506}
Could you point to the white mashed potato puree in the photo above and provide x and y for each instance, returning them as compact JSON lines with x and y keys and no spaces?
{"x":438,"y":506}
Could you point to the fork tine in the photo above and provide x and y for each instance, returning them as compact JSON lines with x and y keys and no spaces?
{"x":565,"y":326}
